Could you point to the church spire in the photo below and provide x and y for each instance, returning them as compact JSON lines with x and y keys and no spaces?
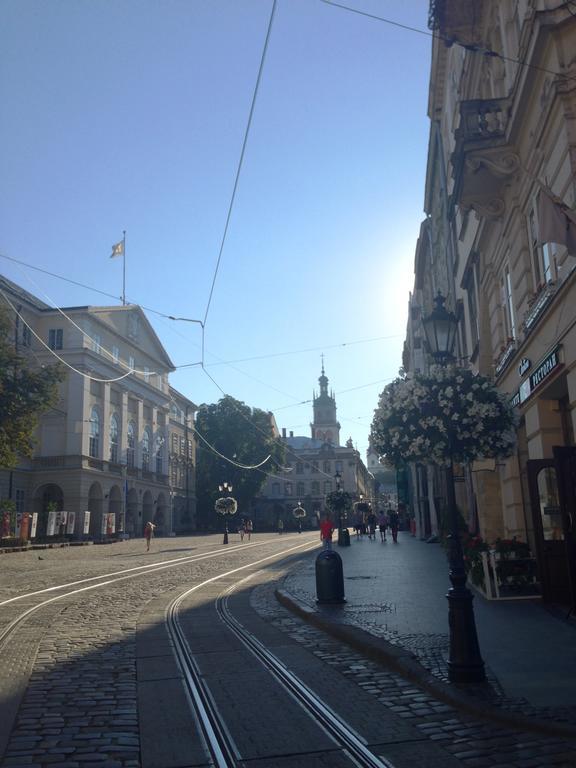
{"x":325,"y":426}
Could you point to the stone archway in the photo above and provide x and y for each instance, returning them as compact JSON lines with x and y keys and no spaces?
{"x":133,"y":525}
{"x":95,"y":508}
{"x":161,"y":518}
{"x":46,"y":497}
{"x":147,"y":509}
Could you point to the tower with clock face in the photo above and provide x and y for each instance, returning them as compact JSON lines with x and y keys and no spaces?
{"x":325,"y":426}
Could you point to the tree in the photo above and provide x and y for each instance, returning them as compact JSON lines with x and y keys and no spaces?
{"x":242,"y":434}
{"x":449,"y":414}
{"x":24,"y":395}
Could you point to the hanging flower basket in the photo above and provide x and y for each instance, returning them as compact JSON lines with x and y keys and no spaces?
{"x":299,"y":512}
{"x":449,"y":414}
{"x":227,"y":505}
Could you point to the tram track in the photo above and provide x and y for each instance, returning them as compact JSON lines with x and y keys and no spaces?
{"x":106,"y":580}
{"x":219,"y":742}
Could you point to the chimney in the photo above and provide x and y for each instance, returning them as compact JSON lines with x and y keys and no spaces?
{"x":291,"y":433}
{"x":283,"y":431}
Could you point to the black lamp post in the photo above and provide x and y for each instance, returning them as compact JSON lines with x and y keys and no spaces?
{"x":465,"y":664}
{"x":338,"y":479}
{"x":299,"y":512}
{"x":226,"y":506}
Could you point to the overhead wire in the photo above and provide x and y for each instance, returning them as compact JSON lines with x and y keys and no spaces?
{"x":447,"y":40}
{"x":241,"y":160}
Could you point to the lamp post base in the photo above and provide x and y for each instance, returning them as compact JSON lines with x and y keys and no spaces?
{"x":465,"y":664}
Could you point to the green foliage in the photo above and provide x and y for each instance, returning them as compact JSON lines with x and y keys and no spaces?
{"x":339,"y":501}
{"x":240,"y":433}
{"x":24,"y":395}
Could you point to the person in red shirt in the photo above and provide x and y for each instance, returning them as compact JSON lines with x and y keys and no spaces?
{"x":326,"y":529}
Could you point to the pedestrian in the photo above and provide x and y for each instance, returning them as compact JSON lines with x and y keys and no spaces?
{"x":371,"y":519}
{"x":249,"y":528}
{"x":358,"y":523}
{"x":242,"y":529}
{"x":393,"y":523}
{"x":326,"y":530}
{"x":148,"y":533}
{"x":280,"y":526}
{"x":382,"y":525}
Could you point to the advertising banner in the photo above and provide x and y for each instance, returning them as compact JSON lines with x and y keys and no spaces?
{"x":111,"y":524}
{"x":71,"y":524}
{"x":86,"y":528}
{"x":34,"y":524}
{"x":51,"y":527}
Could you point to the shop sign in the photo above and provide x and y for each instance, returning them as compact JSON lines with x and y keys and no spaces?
{"x":525,"y":390}
{"x":545,"y":368}
{"x":524,"y":366}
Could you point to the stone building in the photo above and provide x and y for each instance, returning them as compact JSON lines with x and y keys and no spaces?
{"x":314,"y":467}
{"x":501,"y":246}
{"x":116,"y":439}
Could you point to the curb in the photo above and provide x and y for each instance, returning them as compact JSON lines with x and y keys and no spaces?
{"x":407,"y":666}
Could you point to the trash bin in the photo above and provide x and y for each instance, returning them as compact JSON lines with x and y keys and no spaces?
{"x":329,"y":578}
{"x":343,"y":537}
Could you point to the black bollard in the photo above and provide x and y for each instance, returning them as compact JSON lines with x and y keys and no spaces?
{"x":329,"y":578}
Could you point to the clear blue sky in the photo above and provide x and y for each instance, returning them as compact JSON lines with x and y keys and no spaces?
{"x":131,"y":116}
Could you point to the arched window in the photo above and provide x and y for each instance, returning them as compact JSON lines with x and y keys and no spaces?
{"x":131,"y":444}
{"x":146,"y":450}
{"x":114,"y":438}
{"x":159,"y":454}
{"x":94,"y":448}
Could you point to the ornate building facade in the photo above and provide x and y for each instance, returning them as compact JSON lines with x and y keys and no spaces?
{"x":116,"y":444}
{"x":314,"y":467}
{"x":500,"y":243}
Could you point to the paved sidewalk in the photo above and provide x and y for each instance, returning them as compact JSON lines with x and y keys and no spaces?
{"x":398,"y":594}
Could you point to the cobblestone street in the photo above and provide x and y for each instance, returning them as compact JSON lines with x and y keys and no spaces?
{"x":72,"y":665}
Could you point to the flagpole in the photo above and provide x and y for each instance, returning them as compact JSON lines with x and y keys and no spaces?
{"x":124,"y":267}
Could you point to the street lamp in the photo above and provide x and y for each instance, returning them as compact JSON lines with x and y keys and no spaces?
{"x":465,"y":664}
{"x":299,"y":512}
{"x":226,"y":505}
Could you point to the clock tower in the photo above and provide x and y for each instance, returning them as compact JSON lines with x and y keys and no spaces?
{"x":325,"y":426}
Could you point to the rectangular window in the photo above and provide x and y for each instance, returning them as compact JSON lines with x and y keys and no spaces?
{"x":95,"y":342}
{"x":315,"y":488}
{"x":472,"y":308}
{"x":174,"y":473}
{"x":115,"y":354}
{"x":328,"y":486}
{"x":314,"y":466}
{"x":131,"y":363}
{"x":327,"y":467}
{"x":146,"y":373}
{"x":55,"y":338}
{"x":543,"y":256}
{"x":299,"y":468}
{"x":276,"y":490}
{"x":26,"y":336}
{"x":508,"y":305}
{"x":288,"y":489}
{"x":338,"y":466}
{"x":300,"y":490}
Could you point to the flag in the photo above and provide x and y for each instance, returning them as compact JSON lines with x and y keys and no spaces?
{"x":556,"y":221}
{"x":118,"y":249}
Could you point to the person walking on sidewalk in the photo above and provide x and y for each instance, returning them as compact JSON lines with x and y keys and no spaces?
{"x":249,"y":528}
{"x":371,"y":525}
{"x":280,"y":526}
{"x":382,"y":525}
{"x":148,"y":533}
{"x":393,"y":523}
{"x":326,"y":530}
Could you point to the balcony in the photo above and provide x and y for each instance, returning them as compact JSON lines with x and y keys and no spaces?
{"x":455,"y":19}
{"x":483,"y":161}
